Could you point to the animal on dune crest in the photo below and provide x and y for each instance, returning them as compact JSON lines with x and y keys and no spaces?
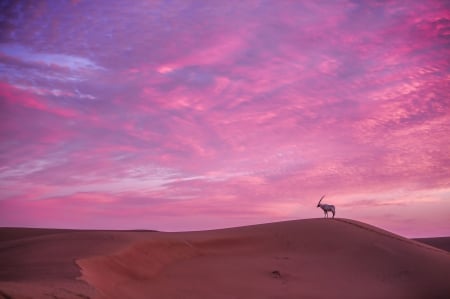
{"x":326,"y":208}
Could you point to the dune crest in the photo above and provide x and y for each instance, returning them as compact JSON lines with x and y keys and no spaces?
{"x":279,"y":260}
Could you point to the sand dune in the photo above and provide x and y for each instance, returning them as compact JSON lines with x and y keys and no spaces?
{"x":40,"y":263}
{"x":439,"y":242}
{"x":314,"y":258}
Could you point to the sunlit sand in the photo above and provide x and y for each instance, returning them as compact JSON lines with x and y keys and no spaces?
{"x":314,"y":258}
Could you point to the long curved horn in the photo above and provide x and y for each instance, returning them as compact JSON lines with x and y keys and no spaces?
{"x":321,"y":199}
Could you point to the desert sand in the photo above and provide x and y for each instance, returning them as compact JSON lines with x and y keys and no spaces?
{"x":312,"y":258}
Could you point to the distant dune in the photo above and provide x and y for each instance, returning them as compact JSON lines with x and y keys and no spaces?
{"x":440,"y":242}
{"x":313,"y":258}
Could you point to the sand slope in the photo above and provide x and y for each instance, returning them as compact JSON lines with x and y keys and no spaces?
{"x":314,"y":258}
{"x":40,"y":263}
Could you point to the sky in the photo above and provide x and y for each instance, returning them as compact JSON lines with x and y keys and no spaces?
{"x":193,"y":115}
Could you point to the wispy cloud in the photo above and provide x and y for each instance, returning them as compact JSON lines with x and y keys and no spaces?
{"x":26,"y":55}
{"x":45,"y":74}
{"x":236,"y":112}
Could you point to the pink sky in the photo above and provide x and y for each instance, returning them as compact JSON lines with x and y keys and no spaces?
{"x":187,"y":115}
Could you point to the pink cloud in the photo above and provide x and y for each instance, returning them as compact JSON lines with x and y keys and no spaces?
{"x":14,"y":96}
{"x":199,"y":116}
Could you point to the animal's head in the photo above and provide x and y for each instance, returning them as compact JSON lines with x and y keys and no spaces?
{"x":318,"y":205}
